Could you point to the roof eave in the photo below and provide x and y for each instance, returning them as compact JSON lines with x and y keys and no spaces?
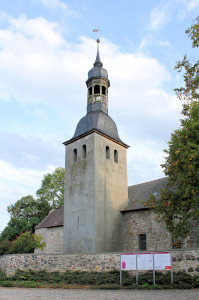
{"x":100,"y":133}
{"x":134,"y":209}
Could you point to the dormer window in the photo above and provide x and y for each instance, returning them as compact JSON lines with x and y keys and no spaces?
{"x":97,"y":89}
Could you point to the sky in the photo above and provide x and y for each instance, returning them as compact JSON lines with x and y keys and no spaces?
{"x":47,"y":48}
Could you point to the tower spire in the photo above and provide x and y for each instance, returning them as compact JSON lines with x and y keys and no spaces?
{"x":98,"y":62}
{"x":97,"y":84}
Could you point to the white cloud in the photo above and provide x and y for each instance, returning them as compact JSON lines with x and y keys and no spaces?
{"x":40,"y":67}
{"x":186,"y":7}
{"x":160,"y":15}
{"x":53,"y":3}
{"x":149,"y":152}
{"x":23,"y":176}
{"x":16,"y":183}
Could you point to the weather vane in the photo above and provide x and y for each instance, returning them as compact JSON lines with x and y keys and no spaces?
{"x":97,"y":30}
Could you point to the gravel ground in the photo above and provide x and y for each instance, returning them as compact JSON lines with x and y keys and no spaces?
{"x":59,"y":294}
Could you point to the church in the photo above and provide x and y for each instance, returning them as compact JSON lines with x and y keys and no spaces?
{"x":101,"y":214}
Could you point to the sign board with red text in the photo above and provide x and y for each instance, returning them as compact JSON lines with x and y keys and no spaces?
{"x":162,"y":261}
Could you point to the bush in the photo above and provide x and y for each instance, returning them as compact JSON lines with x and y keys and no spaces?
{"x":26,"y":243}
{"x":4,"y":247}
{"x":101,"y":280}
{"x":6,"y":283}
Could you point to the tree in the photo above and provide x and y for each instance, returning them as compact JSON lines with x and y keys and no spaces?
{"x":178,"y":204}
{"x":29,"y":209}
{"x":190,"y":91}
{"x":26,"y":243}
{"x":28,"y":212}
{"x":13,"y":229}
{"x":25,"y":208}
{"x":52,"y":189}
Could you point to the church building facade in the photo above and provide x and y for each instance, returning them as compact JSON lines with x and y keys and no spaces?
{"x":96,"y":175}
{"x":101,"y":213}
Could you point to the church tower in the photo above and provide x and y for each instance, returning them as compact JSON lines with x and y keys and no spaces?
{"x":96,"y":174}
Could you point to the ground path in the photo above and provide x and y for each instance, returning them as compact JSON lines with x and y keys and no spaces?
{"x":59,"y":294}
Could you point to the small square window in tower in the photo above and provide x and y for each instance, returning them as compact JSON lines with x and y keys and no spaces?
{"x":142,"y":242}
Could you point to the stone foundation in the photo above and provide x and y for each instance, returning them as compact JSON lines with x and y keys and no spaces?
{"x":183,"y":260}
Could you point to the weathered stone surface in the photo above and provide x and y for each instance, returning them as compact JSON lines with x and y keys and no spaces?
{"x":99,"y":262}
{"x":144,"y":222}
{"x":53,"y":237}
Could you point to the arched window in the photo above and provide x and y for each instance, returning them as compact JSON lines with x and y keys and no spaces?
{"x":115,"y":156}
{"x":107,"y":152}
{"x":75,"y":155}
{"x":84,"y":151}
{"x":90,"y":91}
{"x":96,"y":89}
{"x":103,"y":90}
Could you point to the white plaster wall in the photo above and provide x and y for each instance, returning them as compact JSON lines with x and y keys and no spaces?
{"x":95,"y":189}
{"x":79,"y":202}
{"x":111,"y":194}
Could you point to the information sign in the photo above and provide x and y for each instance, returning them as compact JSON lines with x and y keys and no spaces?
{"x":162,"y":260}
{"x":145,"y":261}
{"x":128,"y":261}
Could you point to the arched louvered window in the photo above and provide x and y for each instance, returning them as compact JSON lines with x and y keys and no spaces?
{"x":107,"y":152}
{"x":103,"y":90}
{"x":75,"y":155}
{"x":97,"y":89}
{"x":84,"y":151}
{"x":115,"y":156}
{"x":90,"y":91}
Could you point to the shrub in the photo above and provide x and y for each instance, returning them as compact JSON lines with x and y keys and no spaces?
{"x":4,"y":247}
{"x":6,"y":283}
{"x":101,"y":280}
{"x":26,"y":243}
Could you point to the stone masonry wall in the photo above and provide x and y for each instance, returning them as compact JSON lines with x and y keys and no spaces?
{"x":53,"y":237}
{"x":59,"y":262}
{"x":157,"y":237}
{"x":144,"y":222}
{"x":183,"y":260}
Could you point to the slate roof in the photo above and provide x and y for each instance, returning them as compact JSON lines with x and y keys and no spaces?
{"x":54,"y":218}
{"x":100,"y":121}
{"x":137,"y":194}
{"x":141,"y":192}
{"x":97,"y":70}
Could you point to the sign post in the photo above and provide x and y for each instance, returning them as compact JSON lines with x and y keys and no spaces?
{"x":153,"y":269}
{"x":146,"y":261}
{"x":171,"y":268}
{"x":136,"y":268}
{"x":120,"y":271}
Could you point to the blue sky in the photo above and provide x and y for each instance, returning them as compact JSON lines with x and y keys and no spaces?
{"x":46,"y":49}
